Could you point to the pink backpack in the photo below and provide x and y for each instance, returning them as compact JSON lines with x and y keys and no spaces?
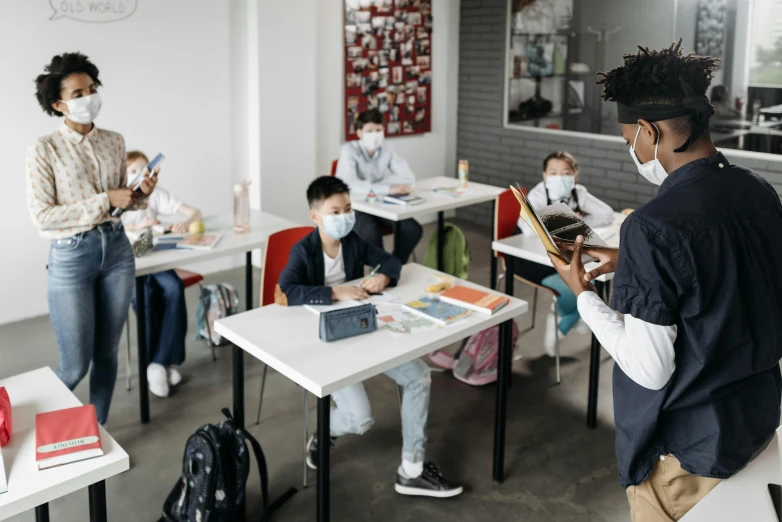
{"x":476,"y":362}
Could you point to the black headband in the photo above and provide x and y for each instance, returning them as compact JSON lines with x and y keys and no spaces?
{"x":697,"y":107}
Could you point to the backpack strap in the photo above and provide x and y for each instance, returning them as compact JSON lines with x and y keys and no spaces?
{"x":262,"y":469}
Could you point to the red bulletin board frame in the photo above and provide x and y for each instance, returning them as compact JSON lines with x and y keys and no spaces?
{"x":388,"y":51}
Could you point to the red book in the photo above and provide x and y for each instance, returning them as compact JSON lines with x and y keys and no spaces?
{"x":66,"y":436}
{"x":472,"y":299}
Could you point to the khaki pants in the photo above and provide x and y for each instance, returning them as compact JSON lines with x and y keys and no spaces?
{"x":668,"y":494}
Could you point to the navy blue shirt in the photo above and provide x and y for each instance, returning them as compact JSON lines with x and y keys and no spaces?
{"x":705,"y":254}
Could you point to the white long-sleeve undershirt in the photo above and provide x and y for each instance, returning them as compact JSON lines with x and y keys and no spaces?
{"x":643,"y":351}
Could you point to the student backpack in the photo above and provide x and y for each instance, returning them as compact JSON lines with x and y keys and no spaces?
{"x":476,"y":362}
{"x":456,"y":252}
{"x":217,"y":301}
{"x":215,"y":468}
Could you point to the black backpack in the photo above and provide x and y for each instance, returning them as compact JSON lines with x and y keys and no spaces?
{"x":215,"y":468}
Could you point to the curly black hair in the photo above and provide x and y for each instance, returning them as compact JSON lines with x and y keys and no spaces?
{"x":653,"y":77}
{"x":49,"y":85}
{"x":323,"y":188}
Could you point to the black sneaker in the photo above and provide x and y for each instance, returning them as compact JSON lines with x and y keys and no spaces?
{"x":312,"y":451}
{"x":431,"y":483}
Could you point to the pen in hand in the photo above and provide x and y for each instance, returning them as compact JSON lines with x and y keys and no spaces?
{"x":370,"y":276}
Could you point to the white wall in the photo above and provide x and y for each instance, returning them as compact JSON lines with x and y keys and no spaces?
{"x":167,"y":87}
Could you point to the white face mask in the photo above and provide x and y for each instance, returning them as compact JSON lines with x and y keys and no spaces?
{"x":85,"y":109}
{"x":560,"y":187}
{"x":653,"y":171}
{"x":339,"y":225}
{"x":372,"y":140}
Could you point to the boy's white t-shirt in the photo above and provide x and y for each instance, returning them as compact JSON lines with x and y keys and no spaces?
{"x":333,"y":269}
{"x":160,"y":203}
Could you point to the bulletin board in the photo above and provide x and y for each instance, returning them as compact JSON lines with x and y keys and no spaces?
{"x":388,"y":64}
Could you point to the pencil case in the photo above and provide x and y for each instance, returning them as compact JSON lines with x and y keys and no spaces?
{"x":347,"y":322}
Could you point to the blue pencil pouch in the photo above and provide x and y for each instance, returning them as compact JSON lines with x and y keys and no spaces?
{"x":347,"y":322}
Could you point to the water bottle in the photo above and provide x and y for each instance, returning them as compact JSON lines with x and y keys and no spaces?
{"x":242,"y":207}
{"x":464,"y":173}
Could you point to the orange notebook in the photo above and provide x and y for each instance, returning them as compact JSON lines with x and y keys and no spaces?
{"x":66,"y":436}
{"x":472,"y":299}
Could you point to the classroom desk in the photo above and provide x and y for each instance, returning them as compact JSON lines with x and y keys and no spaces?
{"x":531,"y":249}
{"x":262,"y":225}
{"x":745,"y":495}
{"x":476,"y":193}
{"x":40,"y":391}
{"x":286,"y":338}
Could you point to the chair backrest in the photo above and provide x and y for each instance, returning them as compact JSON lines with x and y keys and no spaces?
{"x":275,"y":257}
{"x":334,"y":167}
{"x":506,"y":214}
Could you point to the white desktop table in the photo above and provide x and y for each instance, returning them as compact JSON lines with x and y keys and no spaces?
{"x":476,"y":193}
{"x":286,"y":338}
{"x":531,"y":249}
{"x":40,"y":391}
{"x":745,"y":495}
{"x":262,"y":225}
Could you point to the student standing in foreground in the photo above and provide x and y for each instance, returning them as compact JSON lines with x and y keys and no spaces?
{"x":76,"y":177}
{"x":370,"y":164}
{"x":699,"y":279}
{"x":164,"y":292}
{"x":318,"y":268}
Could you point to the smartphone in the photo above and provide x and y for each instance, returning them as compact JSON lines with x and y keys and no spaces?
{"x":775,"y":491}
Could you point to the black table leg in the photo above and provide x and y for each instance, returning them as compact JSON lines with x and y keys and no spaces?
{"x":398,"y":239}
{"x":248,"y":281}
{"x":141,"y":335}
{"x":42,"y":513}
{"x":503,"y":380}
{"x":324,"y":448}
{"x":594,"y":369}
{"x":493,"y":260}
{"x":238,"y":353}
{"x":97,"y":494}
{"x":440,"y":239}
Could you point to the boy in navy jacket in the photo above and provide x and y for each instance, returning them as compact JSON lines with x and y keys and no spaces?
{"x":318,"y":268}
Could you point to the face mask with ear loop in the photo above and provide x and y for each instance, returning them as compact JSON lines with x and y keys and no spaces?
{"x":653,"y":171}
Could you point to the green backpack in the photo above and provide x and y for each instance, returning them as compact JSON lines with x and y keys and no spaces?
{"x":456,"y":252}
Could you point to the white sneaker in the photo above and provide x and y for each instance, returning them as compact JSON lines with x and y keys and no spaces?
{"x":174,"y":375}
{"x":549,"y":339}
{"x":158,"y":380}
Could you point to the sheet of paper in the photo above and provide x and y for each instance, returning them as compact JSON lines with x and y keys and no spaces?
{"x":403,"y":323}
{"x":3,"y":481}
{"x":376,"y":299}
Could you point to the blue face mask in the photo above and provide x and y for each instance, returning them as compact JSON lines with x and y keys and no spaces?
{"x":339,"y":225}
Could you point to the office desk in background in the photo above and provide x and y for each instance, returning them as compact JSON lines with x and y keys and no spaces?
{"x":531,"y":249}
{"x":40,"y":391}
{"x":262,"y":225}
{"x":435,"y":203}
{"x":744,"y":496}
{"x":286,"y":338}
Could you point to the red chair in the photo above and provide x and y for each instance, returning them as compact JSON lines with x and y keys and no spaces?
{"x":506,"y":215}
{"x":275,"y":257}
{"x":188,"y":279}
{"x":334,"y":167}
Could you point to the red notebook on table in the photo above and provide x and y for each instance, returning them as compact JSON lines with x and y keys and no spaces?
{"x":66,"y":436}
{"x":472,"y":299}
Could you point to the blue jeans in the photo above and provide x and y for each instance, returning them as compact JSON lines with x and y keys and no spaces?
{"x":353,"y":413}
{"x":90,"y":282}
{"x":166,"y":318}
{"x":567,"y":304}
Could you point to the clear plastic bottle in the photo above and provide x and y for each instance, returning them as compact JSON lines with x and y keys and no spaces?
{"x":242,"y":207}
{"x":464,"y":173}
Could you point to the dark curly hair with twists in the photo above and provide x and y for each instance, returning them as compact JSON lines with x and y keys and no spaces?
{"x":652,"y":77}
{"x":49,"y":85}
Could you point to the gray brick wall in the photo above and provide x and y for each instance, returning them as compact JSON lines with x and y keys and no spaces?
{"x":500,"y":156}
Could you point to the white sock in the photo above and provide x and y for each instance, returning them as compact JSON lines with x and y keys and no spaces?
{"x":412,"y":469}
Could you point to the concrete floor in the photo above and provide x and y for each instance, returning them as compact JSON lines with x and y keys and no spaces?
{"x":557,"y":469}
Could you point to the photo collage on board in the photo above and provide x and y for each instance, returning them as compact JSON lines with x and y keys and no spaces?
{"x":388,"y":64}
